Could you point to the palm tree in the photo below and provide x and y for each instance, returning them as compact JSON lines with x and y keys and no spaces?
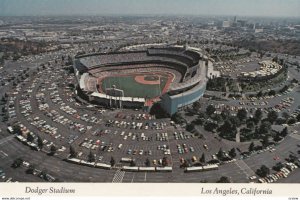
{"x":147,"y":163}
{"x":91,"y":157}
{"x":40,"y":142}
{"x":202,"y":159}
{"x":164,"y":161}
{"x":53,"y":149}
{"x":73,"y":153}
{"x":112,"y":161}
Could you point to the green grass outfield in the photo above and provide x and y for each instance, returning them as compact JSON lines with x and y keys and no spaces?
{"x":132,"y":88}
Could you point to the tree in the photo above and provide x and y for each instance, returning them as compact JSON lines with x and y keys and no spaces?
{"x":225,"y":114}
{"x":217,"y":118}
{"x":190,"y":127}
{"x":91,"y":157}
{"x":265,"y":141}
{"x":278,"y":166}
{"x":272,"y":93}
{"x":5,"y":118}
{"x":157,"y":110}
{"x":220,"y":154}
{"x":277,"y":137}
{"x":196,"y":105}
{"x":272,"y":116}
{"x":258,"y":115}
{"x":285,"y":115}
{"x":298,"y":117}
{"x":112,"y":161}
{"x":232,"y":153}
{"x":30,"y":138}
{"x":291,"y":121}
{"x":17,"y":163}
{"x":73,"y":153}
{"x":228,"y":130}
{"x":202,"y":115}
{"x":210,"y":126}
{"x":3,"y":109}
{"x":17,"y":129}
{"x":284,"y":132}
{"x":259,"y":94}
{"x":202,"y":159}
{"x":177,"y":118}
{"x":3,"y":99}
{"x":132,"y":163}
{"x":147,"y":162}
{"x":165,"y":162}
{"x":265,"y":127}
{"x":224,"y":179}
{"x":210,"y":110}
{"x":184,"y":164}
{"x":251,"y":147}
{"x":53,"y":149}
{"x":263,"y":171}
{"x":284,"y":88}
{"x":250,"y":124}
{"x":227,"y":127}
{"x":235,"y":121}
{"x":242,"y":114}
{"x":275,"y":59}
{"x":43,"y":174}
{"x":30,"y":169}
{"x":40,"y":142}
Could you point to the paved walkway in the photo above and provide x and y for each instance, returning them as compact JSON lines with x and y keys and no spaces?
{"x":245,"y":168}
{"x":296,"y":136}
{"x":238,"y":135}
{"x":240,"y":90}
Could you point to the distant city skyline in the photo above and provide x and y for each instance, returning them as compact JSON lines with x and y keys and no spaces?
{"x":265,"y":8}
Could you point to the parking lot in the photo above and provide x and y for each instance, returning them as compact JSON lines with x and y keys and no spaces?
{"x":43,"y":105}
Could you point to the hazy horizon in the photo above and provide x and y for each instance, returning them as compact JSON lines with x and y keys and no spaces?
{"x":263,"y":8}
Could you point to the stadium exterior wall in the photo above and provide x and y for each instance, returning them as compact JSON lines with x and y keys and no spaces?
{"x":116,"y":102}
{"x":171,"y":104}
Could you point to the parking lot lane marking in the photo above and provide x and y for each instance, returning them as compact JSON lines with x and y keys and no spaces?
{"x":3,"y":154}
{"x":295,"y":136}
{"x":145,"y":179}
{"x":170,"y":150}
{"x":6,"y":139}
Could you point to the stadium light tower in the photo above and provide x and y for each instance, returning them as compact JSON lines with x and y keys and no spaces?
{"x":159,"y":85}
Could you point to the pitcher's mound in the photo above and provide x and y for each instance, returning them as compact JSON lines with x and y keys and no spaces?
{"x":147,"y":79}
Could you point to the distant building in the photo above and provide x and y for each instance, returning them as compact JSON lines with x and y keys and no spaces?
{"x":259,"y":30}
{"x":297,"y":27}
{"x":242,"y":23}
{"x":235,"y":19}
{"x":226,"y":24}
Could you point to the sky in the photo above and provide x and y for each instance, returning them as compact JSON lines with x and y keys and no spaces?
{"x":272,"y":8}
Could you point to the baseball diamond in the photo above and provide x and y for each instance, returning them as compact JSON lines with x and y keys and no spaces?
{"x":174,"y":76}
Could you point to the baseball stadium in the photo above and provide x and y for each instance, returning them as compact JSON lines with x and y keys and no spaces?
{"x":174,"y":76}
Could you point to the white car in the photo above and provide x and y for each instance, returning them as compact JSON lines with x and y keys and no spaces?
{"x":141,"y":152}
